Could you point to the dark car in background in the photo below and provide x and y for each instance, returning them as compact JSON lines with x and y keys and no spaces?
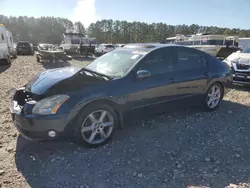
{"x":24,"y":48}
{"x":89,"y":103}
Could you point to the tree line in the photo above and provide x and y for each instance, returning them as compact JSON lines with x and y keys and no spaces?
{"x":51,"y":29}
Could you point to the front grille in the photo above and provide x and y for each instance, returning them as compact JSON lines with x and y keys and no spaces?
{"x":243,"y":67}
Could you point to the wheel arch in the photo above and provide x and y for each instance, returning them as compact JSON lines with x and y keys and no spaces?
{"x":108,"y":102}
{"x":217,"y":82}
{"x":75,"y":112}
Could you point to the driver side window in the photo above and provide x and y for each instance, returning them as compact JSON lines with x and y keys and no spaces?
{"x":159,"y":61}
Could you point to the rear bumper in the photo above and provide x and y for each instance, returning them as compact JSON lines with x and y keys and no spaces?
{"x":13,"y":53}
{"x":24,"y":51}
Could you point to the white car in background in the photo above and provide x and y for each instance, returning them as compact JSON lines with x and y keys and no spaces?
{"x":240,"y":65}
{"x":104,"y":48}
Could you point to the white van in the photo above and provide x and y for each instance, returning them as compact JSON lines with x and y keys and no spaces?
{"x":11,"y":44}
{"x":5,"y":45}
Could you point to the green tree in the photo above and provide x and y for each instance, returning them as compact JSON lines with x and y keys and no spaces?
{"x":51,"y":29}
{"x":79,"y":28}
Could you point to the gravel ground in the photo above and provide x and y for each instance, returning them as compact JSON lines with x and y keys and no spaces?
{"x":186,"y":148}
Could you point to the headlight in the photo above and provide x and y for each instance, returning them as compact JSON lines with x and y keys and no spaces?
{"x":229,"y":63}
{"x":49,"y":105}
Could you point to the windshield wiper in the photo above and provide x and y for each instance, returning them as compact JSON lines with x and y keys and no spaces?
{"x":96,"y":74}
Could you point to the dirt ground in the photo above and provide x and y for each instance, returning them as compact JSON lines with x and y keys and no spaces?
{"x":185,"y":148}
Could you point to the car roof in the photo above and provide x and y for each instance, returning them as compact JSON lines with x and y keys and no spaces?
{"x":23,"y":42}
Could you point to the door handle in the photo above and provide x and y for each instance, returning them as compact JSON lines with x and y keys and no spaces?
{"x":207,"y":73}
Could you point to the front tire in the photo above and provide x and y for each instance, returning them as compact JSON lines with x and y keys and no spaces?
{"x":213,"y":97}
{"x":95,"y":125}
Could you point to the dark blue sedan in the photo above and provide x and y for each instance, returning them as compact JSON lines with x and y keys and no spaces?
{"x":89,"y":103}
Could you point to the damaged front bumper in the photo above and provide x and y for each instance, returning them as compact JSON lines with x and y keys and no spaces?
{"x":33,"y":126}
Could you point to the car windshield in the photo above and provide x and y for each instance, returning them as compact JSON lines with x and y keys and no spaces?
{"x":115,"y":63}
{"x":23,"y":44}
{"x":246,"y":50}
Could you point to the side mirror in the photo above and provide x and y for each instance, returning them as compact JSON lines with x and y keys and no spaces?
{"x":141,"y":74}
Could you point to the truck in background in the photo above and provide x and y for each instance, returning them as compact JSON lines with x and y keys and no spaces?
{"x":75,"y":43}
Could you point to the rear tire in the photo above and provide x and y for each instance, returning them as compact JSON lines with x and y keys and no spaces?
{"x":7,"y":61}
{"x":95,"y":125}
{"x":213,"y":97}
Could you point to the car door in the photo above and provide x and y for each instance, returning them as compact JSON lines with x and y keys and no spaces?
{"x":192,"y":72}
{"x":160,"y":86}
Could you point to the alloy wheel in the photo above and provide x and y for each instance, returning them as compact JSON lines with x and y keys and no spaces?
{"x":97,"y":127}
{"x":214,"y":96}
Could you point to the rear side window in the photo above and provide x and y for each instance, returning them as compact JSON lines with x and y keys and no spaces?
{"x":26,"y":44}
{"x":159,"y":61}
{"x":189,"y":59}
{"x":109,"y":46}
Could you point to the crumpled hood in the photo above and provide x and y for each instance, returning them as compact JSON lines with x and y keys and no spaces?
{"x":243,"y":58}
{"x":47,"y":79}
